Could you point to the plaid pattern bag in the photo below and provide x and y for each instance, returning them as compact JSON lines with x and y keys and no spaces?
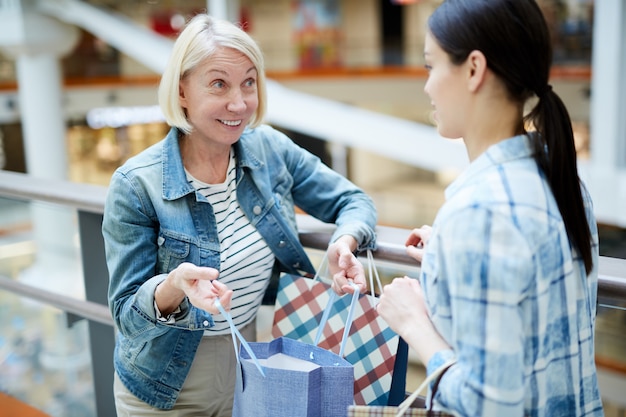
{"x":372,"y":347}
{"x":405,"y":408}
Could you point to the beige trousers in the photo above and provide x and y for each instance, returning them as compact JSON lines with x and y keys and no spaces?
{"x":208,"y":390}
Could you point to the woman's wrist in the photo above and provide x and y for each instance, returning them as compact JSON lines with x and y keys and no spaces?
{"x":425,"y":339}
{"x":168,"y":297}
{"x":348,"y":240}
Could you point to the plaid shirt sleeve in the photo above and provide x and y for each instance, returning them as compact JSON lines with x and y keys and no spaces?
{"x":487,"y":269}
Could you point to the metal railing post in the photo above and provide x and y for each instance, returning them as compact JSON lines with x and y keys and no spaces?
{"x":101,"y":336}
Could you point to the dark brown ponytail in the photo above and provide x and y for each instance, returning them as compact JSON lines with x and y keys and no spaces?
{"x":555,"y":153}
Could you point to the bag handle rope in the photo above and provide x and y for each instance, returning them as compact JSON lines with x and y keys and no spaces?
{"x":373,"y":273}
{"x":355,"y":298}
{"x":349,"y":319}
{"x":404,"y":406}
{"x":236,"y":334}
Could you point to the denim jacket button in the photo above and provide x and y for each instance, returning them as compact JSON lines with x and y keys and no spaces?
{"x":205,"y":323}
{"x":282,"y":244}
{"x":296,"y":265}
{"x":257,"y":210}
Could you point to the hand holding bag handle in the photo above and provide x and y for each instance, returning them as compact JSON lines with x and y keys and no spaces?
{"x":237,"y":335}
{"x":355,"y":300}
{"x":396,"y":390}
{"x":372,"y":272}
{"x":371,"y":346}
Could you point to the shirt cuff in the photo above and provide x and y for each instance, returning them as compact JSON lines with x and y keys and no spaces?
{"x":439,"y":359}
{"x":169,"y":319}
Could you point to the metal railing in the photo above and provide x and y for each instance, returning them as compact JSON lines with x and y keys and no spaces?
{"x":314,"y":234}
{"x":88,"y":201}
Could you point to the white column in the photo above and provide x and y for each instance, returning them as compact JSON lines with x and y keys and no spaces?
{"x":218,"y":8}
{"x":44,"y":131}
{"x":41,"y":104}
{"x":606,"y":172}
{"x":37,"y":43}
{"x":224,"y":9}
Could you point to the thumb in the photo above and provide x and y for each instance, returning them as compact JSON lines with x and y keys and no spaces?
{"x":415,"y":253}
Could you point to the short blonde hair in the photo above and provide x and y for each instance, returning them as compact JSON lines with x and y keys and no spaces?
{"x":199,"y":40}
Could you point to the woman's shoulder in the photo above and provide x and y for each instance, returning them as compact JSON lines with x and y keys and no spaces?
{"x":154,"y":154}
{"x":148,"y":157}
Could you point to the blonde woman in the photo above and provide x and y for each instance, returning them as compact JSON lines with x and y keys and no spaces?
{"x":208,"y":213}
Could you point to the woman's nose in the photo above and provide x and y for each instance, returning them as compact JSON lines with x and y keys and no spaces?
{"x":236,"y":101}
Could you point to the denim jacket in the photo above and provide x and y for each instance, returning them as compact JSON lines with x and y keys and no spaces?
{"x":155,"y":220}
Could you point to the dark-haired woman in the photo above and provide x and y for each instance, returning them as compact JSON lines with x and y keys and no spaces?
{"x":508,"y":283}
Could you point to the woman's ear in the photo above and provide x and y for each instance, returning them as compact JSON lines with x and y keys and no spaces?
{"x":477,"y":69}
{"x":182,"y":101}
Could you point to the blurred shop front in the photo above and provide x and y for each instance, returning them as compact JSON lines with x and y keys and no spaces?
{"x":108,"y":137}
{"x":345,"y":50}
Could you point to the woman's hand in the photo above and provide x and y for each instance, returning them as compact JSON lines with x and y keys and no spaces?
{"x":198,"y":283}
{"x":416,"y":242}
{"x":402,"y":304}
{"x":344,"y":267}
{"x":403,"y":307}
{"x":203,"y":294}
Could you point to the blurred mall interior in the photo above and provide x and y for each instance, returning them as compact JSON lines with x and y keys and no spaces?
{"x":363,"y":54}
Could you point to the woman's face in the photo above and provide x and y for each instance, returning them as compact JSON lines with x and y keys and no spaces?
{"x":447,"y":88}
{"x":220,"y":96}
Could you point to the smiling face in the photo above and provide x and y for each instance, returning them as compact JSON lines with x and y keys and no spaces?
{"x":447,"y":88}
{"x":220,"y":96}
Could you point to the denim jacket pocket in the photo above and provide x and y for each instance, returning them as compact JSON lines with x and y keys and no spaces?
{"x":172,"y":251}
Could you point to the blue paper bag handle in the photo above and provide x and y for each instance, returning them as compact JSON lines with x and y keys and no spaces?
{"x":349,"y":319}
{"x":237,"y":335}
{"x":355,"y":296}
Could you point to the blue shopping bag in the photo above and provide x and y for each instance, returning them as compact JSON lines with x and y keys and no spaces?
{"x":300,"y":380}
{"x":289,"y":378}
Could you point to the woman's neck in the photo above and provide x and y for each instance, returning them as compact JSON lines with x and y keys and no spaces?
{"x":208,"y":164}
{"x":499,"y":121}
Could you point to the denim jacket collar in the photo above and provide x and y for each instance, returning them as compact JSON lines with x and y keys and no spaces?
{"x":175,"y":184}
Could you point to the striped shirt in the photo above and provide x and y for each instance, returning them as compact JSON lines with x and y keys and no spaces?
{"x":507,"y":292}
{"x":245,"y":259}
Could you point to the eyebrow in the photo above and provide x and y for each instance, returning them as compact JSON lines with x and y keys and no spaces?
{"x":252,"y":68}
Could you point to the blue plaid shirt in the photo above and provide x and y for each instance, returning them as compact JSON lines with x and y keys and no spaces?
{"x":509,"y":295}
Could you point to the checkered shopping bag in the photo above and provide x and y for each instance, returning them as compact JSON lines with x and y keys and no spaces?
{"x":388,"y":411}
{"x":378,"y":354}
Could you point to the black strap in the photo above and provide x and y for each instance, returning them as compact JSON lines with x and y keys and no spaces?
{"x":397,"y":391}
